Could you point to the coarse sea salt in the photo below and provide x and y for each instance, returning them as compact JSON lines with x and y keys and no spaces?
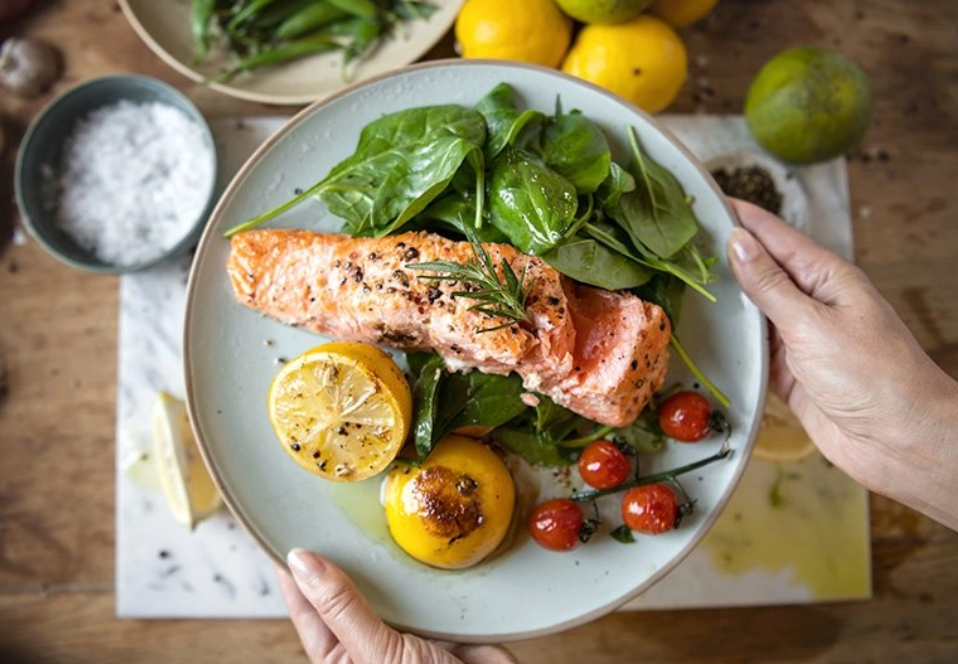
{"x":133,"y":181}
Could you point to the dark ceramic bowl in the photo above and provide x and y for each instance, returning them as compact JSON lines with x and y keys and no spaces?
{"x":40,"y":157}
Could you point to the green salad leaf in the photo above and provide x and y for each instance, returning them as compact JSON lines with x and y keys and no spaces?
{"x":529,"y":202}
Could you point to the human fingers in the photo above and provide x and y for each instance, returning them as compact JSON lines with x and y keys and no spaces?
{"x":317,"y":639}
{"x":487,"y":654}
{"x":342,"y":609}
{"x":764,"y":281}
{"x":816,"y":271}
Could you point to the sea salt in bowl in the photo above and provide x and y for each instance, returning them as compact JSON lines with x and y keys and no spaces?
{"x":117,"y":174}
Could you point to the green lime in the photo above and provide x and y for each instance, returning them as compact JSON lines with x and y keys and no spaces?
{"x":809,"y":104}
{"x":603,"y":11}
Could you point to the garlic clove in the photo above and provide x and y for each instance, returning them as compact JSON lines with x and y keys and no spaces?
{"x":27,"y":66}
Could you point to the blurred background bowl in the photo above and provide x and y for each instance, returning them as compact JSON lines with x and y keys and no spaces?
{"x":41,"y":154}
{"x":164,"y":26}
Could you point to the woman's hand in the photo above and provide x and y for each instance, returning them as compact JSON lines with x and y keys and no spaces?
{"x":335,"y":624}
{"x":875,"y":404}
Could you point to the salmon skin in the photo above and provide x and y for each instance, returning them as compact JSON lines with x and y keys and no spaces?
{"x":600,"y":354}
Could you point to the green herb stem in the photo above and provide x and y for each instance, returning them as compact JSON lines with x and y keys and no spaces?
{"x":655,"y":264}
{"x":582,"y":441}
{"x":275,"y":212}
{"x":664,"y":476}
{"x":699,"y":376}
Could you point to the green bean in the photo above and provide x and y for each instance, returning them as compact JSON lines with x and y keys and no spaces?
{"x":360,"y":8}
{"x":284,"y":53}
{"x":309,"y":19}
{"x":247,"y":13}
{"x":201,"y":11}
{"x":365,"y":37}
{"x":276,"y":14}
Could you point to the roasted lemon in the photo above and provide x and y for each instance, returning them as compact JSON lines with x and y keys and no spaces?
{"x":341,"y":410}
{"x":455,"y":508}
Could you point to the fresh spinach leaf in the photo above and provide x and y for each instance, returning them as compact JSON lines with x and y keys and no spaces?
{"x":622,"y":534}
{"x":425,"y":405}
{"x":526,"y":444}
{"x":505,"y":122}
{"x":644,"y":435}
{"x":454,"y":211}
{"x":618,"y":182}
{"x":403,"y":162}
{"x":666,"y":291}
{"x":657,"y":215}
{"x":575,"y":148}
{"x":529,"y":202}
{"x":554,"y":422}
{"x":477,"y":399}
{"x":584,"y":259}
{"x":444,"y":402}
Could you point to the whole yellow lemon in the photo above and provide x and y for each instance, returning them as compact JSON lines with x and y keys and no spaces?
{"x":643,"y":60}
{"x":534,"y":31}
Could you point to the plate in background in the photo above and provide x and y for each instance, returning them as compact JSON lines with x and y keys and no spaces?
{"x":165,"y":27}
{"x":232,"y":353}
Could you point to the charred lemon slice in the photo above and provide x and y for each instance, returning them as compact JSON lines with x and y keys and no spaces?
{"x":455,"y":508}
{"x":341,"y":410}
{"x":781,"y":436}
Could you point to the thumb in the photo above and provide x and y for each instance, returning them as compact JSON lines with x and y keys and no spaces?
{"x":763,"y":280}
{"x":364,"y":636}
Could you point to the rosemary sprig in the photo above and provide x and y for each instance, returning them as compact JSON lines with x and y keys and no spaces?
{"x":499,"y":297}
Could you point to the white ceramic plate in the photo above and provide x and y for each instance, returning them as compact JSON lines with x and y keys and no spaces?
{"x":165,"y":27}
{"x":232,"y":353}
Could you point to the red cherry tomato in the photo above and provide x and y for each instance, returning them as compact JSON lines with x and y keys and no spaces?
{"x":556,"y":524}
{"x":651,"y":508}
{"x":686,"y":416}
{"x":603,"y":465}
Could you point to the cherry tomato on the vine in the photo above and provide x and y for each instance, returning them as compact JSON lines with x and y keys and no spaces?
{"x":651,"y":508}
{"x":557,"y":524}
{"x":686,"y":416}
{"x":602,"y":465}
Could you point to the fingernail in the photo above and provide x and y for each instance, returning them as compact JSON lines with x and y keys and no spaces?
{"x":743,"y":245}
{"x":305,"y":564}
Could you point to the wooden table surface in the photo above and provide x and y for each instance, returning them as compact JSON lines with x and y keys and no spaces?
{"x":58,"y":349}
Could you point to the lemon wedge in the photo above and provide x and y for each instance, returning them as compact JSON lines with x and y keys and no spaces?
{"x":781,"y":436}
{"x":341,"y":410}
{"x":187,"y":485}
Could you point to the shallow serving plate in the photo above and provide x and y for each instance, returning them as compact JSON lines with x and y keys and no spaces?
{"x":232,"y":354}
{"x":165,"y":27}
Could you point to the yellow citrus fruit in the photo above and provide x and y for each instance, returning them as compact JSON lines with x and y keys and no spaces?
{"x":455,"y":508}
{"x":682,"y":13}
{"x":534,"y":31}
{"x":781,"y":436}
{"x":341,"y":410}
{"x":190,"y":492}
{"x":809,"y":104}
{"x":643,"y":60}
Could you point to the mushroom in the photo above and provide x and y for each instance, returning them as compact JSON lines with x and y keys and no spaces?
{"x":27,"y":66}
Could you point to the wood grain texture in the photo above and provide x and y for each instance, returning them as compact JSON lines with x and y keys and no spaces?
{"x":58,"y":351}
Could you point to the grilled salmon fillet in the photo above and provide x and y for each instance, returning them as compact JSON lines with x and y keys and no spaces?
{"x":600,"y":354}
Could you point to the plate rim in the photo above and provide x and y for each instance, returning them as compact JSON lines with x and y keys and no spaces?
{"x":247,"y":523}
